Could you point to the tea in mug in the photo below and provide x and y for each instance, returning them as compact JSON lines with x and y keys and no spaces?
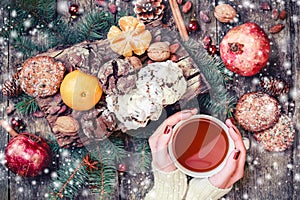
{"x":200,"y":145}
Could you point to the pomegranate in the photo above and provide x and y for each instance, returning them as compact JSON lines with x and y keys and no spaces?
{"x":245,"y":49}
{"x":27,"y":154}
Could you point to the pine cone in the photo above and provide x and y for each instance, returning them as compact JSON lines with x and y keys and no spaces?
{"x":149,"y":10}
{"x":11,"y":87}
{"x":274,"y":86}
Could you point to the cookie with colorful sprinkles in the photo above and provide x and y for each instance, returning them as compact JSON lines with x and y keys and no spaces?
{"x":41,"y":76}
{"x":279,"y":137}
{"x":257,"y":111}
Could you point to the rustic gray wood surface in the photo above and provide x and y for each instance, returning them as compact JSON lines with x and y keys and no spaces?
{"x":268,"y":175}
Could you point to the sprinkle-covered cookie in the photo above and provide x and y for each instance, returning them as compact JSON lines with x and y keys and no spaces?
{"x":257,"y":111}
{"x":279,"y":137}
{"x":41,"y":76}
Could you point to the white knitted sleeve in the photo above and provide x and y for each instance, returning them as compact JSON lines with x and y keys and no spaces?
{"x":168,"y":185}
{"x":202,"y":189}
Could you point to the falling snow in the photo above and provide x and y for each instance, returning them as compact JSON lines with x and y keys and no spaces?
{"x":297,"y":177}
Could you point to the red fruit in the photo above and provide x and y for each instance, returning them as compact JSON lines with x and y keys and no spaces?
{"x":27,"y":154}
{"x":245,"y":49}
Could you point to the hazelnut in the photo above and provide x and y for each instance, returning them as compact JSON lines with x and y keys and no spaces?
{"x":159,"y":51}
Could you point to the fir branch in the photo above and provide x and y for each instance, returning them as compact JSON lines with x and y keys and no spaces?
{"x":68,"y":181}
{"x":95,"y":25}
{"x":143,"y":149}
{"x":112,"y":150}
{"x":25,"y":45}
{"x":196,"y":51}
{"x":102,"y":181}
{"x":27,"y":105}
{"x":219,"y":102}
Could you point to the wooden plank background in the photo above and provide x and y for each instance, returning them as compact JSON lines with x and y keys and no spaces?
{"x":267,"y":175}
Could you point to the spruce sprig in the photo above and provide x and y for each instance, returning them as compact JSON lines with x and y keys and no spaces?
{"x":218,"y":102}
{"x":142,"y":148}
{"x":27,"y":104}
{"x":36,"y":26}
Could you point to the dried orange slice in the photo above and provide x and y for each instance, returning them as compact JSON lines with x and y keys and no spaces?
{"x":132,"y":36}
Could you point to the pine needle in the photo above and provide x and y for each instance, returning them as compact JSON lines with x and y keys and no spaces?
{"x":27,"y":105}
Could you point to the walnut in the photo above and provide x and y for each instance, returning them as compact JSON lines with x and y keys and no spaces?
{"x":66,"y":125}
{"x":225,"y":13}
{"x":159,"y":51}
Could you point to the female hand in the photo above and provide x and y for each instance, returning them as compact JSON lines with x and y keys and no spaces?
{"x":159,"y":140}
{"x":234,"y":167}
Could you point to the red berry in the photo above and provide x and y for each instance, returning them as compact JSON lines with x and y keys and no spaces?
{"x":212,"y":49}
{"x":192,"y":25}
{"x":74,"y":10}
{"x":122,"y":167}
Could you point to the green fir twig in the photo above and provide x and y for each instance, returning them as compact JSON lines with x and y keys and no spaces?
{"x":218,"y":102}
{"x":143,"y":149}
{"x":27,"y":105}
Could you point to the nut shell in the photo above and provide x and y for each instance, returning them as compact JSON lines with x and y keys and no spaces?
{"x":66,"y":125}
{"x":224,"y":13}
{"x":159,"y":51}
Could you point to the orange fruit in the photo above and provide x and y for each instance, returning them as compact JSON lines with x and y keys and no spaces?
{"x":80,"y":91}
{"x":132,"y":36}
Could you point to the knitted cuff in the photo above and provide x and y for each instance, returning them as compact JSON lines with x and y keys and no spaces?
{"x":168,"y":185}
{"x":203,"y":189}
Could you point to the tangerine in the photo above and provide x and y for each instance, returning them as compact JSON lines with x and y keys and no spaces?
{"x":132,"y":36}
{"x":80,"y":91}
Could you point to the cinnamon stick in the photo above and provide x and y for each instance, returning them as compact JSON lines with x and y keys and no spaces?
{"x":178,"y":20}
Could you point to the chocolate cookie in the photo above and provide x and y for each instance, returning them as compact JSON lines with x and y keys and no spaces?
{"x":279,"y":137}
{"x":117,"y":77}
{"x":257,"y":111}
{"x":41,"y":76}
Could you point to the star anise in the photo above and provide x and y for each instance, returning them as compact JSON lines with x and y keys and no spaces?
{"x":90,"y":164}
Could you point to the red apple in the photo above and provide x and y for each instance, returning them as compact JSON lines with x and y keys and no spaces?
{"x":27,"y":154}
{"x":245,"y":49}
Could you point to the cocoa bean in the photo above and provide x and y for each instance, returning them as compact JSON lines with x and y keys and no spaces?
{"x":100,"y":3}
{"x":174,"y":47}
{"x":174,"y":58}
{"x":275,"y":14}
{"x":206,"y":42}
{"x":54,"y":109}
{"x":204,"y":17}
{"x":62,"y":109}
{"x":38,"y":114}
{"x":265,"y":6}
{"x":187,"y":7}
{"x":112,"y":8}
{"x":282,"y":14}
{"x":179,"y":2}
{"x":276,"y":28}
